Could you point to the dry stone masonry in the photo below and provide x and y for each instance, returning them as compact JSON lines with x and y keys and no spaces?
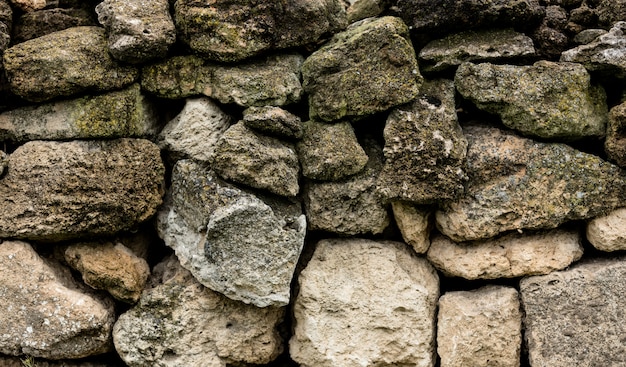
{"x":312,"y":183}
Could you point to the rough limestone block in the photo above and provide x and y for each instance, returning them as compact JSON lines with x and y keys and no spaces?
{"x":365,"y":303}
{"x":46,"y":312}
{"x":480,"y":328}
{"x":54,"y":191}
{"x":138,"y":31}
{"x":41,"y":22}
{"x":576,"y":317}
{"x":330,"y":152}
{"x":273,"y":121}
{"x":414,"y":223}
{"x":518,"y":183}
{"x":178,"y":322}
{"x":424,"y":148}
{"x":194,"y":132}
{"x":608,"y":233}
{"x":65,"y":63}
{"x":368,"y":68}
{"x":510,"y":256}
{"x":615,"y":143}
{"x":119,"y":114}
{"x":548,"y":100}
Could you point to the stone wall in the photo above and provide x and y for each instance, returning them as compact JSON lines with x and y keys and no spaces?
{"x":312,"y":183}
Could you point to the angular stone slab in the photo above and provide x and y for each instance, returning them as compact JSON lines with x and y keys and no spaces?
{"x":575,"y":317}
{"x":424,"y":148}
{"x":363,"y":302}
{"x":54,"y":191}
{"x":480,"y":328}
{"x":615,"y":143}
{"x":41,"y":22}
{"x":518,"y":183}
{"x":608,"y":233}
{"x":118,"y":114}
{"x":415,"y":223}
{"x":258,"y":161}
{"x":137,"y":31}
{"x":330,"y":152}
{"x":510,"y":256}
{"x":368,"y":68}
{"x":273,"y":121}
{"x":273,"y":80}
{"x":65,"y":63}
{"x":46,"y":312}
{"x":548,"y":100}
{"x":475,"y":46}
{"x":186,"y":324}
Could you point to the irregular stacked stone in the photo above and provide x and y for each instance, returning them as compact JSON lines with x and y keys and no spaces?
{"x":312,"y":183}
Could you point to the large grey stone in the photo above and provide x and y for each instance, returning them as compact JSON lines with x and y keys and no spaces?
{"x":608,"y":233}
{"x":273,"y":121}
{"x":46,"y":312}
{"x":415,"y":223}
{"x":518,"y":183}
{"x":480,"y":328}
{"x":65,"y":63}
{"x":368,"y":68}
{"x":118,"y":114}
{"x":548,"y":100}
{"x":576,"y":317}
{"x":137,"y":31}
{"x":41,"y":22}
{"x":365,"y":303}
{"x":510,"y":256}
{"x":615,"y":142}
{"x":178,"y":322}
{"x":61,"y":190}
{"x":424,"y":148}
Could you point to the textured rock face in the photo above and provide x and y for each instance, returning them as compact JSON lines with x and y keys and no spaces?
{"x":273,"y":121}
{"x":196,"y":326}
{"x":47,"y":314}
{"x":60,"y":190}
{"x":547,"y":100}
{"x":330,"y":152}
{"x":415,"y":223}
{"x":54,"y":65}
{"x":424,"y":148}
{"x":194,"y":132}
{"x":111,"y":267}
{"x":480,"y":328}
{"x":510,"y":256}
{"x":574,"y":317}
{"x":273,"y":80}
{"x":231,"y":241}
{"x":361,"y":9}
{"x":41,"y":22}
{"x":137,"y":31}
{"x":615,"y":143}
{"x":6,"y":22}
{"x":372,"y":62}
{"x":607,"y":233}
{"x":364,"y":303}
{"x":518,"y":183}
{"x":610,"y":11}
{"x":117,"y":114}
{"x":475,"y":46}
{"x":255,"y":160}
{"x":228,"y":32}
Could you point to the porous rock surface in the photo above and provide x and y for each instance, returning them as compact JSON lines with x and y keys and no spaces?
{"x":415,"y":223}
{"x":273,"y":121}
{"x":615,"y":143}
{"x":607,"y":233}
{"x":45,"y":21}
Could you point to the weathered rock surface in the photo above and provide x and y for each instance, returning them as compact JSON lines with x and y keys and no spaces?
{"x":231,"y":241}
{"x":194,"y":132}
{"x":61,"y":190}
{"x":605,"y":55}
{"x":475,"y":46}
{"x":125,"y":113}
{"x":273,"y":121}
{"x":6,"y":23}
{"x":424,"y":148}
{"x":574,"y":317}
{"x":610,"y":11}
{"x":178,"y":322}
{"x":228,"y":32}
{"x":588,"y":36}
{"x":41,"y":22}
{"x":64,"y":63}
{"x":361,"y":9}
{"x":273,"y":80}
{"x":480,"y":328}
{"x":607,"y":233}
{"x":99,"y":361}
{"x":414,"y":223}
{"x":510,"y":256}
{"x":137,"y":31}
{"x":4,"y":162}
{"x":518,"y":183}
{"x":47,"y":313}
{"x":330,"y":152}
{"x":31,"y":5}
{"x":615,"y":143}
{"x":547,"y":100}
{"x":258,"y":161}
{"x":551,"y":37}
{"x":352,"y":206}
{"x":109,"y":266}
{"x":365,"y":303}
{"x":372,"y":63}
